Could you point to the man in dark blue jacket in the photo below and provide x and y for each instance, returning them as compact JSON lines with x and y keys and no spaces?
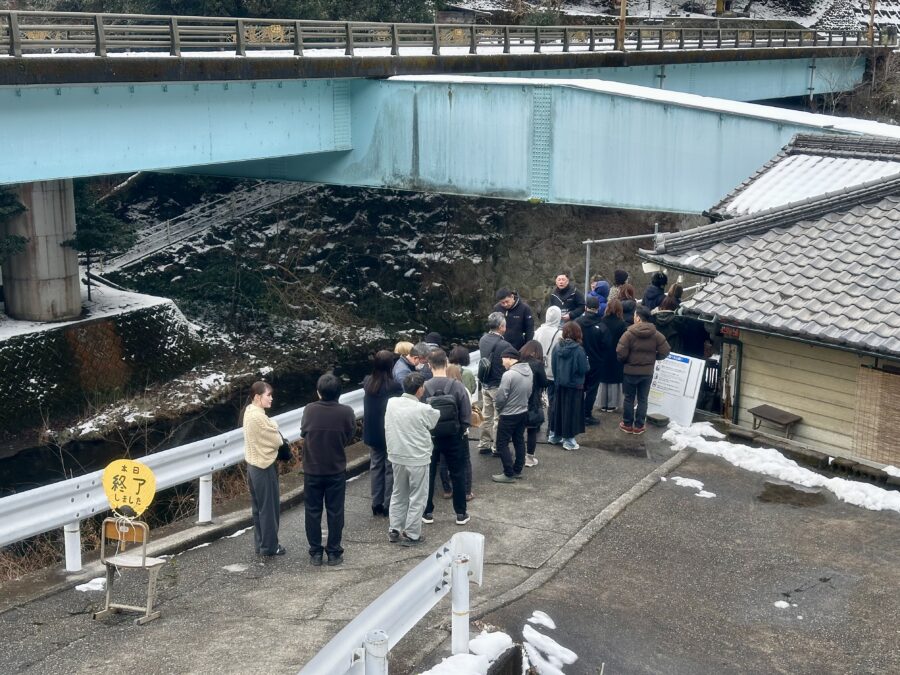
{"x":519,"y":321}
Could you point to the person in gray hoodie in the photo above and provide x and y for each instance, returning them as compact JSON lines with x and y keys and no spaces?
{"x":512,"y":404}
{"x":407,"y":431}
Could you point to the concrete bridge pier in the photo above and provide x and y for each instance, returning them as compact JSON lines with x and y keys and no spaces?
{"x":41,"y":283}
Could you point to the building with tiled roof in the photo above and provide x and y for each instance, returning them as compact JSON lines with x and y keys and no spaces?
{"x":805,"y":287}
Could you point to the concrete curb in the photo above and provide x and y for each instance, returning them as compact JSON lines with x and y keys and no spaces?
{"x":178,"y":542}
{"x":578,"y":541}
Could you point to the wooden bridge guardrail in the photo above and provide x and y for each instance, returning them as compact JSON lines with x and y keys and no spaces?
{"x":27,"y":33}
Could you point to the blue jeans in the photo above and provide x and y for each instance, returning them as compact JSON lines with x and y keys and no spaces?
{"x":635,"y":386}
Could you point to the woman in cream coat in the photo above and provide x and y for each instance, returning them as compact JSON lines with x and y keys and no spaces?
{"x":261,"y":442}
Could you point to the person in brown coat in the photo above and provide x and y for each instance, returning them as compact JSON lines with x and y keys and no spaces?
{"x":639,"y":348}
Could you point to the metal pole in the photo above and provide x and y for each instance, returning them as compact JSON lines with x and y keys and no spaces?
{"x":205,"y":500}
{"x":872,"y":23}
{"x":655,"y":234}
{"x":620,"y":35}
{"x":587,"y":267}
{"x":73,"y":546}
{"x":376,"y":662}
{"x":459,"y":599}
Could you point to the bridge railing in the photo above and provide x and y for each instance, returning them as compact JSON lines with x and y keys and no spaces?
{"x":25,"y":32}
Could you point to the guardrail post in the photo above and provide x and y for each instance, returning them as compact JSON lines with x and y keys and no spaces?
{"x":640,"y":39}
{"x":591,"y":41}
{"x":298,"y":39}
{"x":174,"y":38}
{"x":436,"y":36}
{"x":473,"y":42}
{"x":240,"y":47}
{"x":99,"y":36}
{"x":15,"y":45}
{"x":737,"y":38}
{"x":204,"y":500}
{"x":376,"y":662}
{"x":661,"y":38}
{"x":719,"y":38}
{"x":459,"y":600}
{"x":753,"y":37}
{"x":800,"y":39}
{"x":72,"y":538}
{"x":537,"y":39}
{"x":566,"y":39}
{"x":700,"y":40}
{"x":348,"y":33}
{"x":785,"y":44}
{"x":681,"y":38}
{"x":506,"y":39}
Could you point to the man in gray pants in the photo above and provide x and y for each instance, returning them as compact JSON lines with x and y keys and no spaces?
{"x":407,"y":430}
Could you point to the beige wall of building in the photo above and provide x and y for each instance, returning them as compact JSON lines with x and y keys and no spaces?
{"x":818,"y":383}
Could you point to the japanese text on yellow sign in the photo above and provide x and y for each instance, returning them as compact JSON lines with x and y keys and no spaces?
{"x":129,"y":486}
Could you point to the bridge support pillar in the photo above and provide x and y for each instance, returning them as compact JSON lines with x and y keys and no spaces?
{"x":41,"y":283}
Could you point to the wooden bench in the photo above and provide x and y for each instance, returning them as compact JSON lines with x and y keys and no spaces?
{"x":781,"y":418}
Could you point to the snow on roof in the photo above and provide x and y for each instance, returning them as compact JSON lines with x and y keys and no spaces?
{"x":847,"y":125}
{"x":105,"y":302}
{"x":827,"y":268}
{"x":811,"y":166}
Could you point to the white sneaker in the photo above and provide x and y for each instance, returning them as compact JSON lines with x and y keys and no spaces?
{"x":570,"y":444}
{"x":531,"y":460}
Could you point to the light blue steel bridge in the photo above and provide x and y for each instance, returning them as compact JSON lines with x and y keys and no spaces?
{"x":653,"y":118}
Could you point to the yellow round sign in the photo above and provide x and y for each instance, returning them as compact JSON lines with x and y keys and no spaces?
{"x":129,"y":486}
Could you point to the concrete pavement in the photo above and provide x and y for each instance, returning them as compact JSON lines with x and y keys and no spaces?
{"x":226,"y":611}
{"x":681,"y":584}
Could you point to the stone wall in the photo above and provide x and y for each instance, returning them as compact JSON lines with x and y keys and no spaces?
{"x":59,"y":373}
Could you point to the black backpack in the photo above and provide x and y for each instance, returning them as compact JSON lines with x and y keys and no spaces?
{"x":448,"y":422}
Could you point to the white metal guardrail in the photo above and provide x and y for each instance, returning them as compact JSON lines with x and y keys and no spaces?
{"x":362,"y":645}
{"x":67,"y":503}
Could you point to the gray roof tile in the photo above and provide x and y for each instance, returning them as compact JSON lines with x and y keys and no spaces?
{"x":834,"y":277}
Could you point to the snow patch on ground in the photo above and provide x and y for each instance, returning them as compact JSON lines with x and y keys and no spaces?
{"x":461,"y":664}
{"x":542,"y":619}
{"x":892,"y":470}
{"x":490,"y":645}
{"x":238,"y":533}
{"x":98,"y":584}
{"x":781,"y":604}
{"x":770,"y":462}
{"x":694,"y":484}
{"x":105,"y":302}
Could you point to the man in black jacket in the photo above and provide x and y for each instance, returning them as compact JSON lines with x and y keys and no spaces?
{"x":519,"y":322}
{"x":327,"y":428}
{"x":596,"y":343}
{"x":491,"y":346}
{"x":568,"y":298}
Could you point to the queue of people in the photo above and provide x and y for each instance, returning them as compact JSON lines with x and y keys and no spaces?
{"x":592,"y":352}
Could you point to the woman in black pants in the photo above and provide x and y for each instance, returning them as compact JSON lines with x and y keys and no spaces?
{"x":377,"y":389}
{"x":533,"y":354}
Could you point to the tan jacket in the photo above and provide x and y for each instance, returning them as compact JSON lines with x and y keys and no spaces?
{"x":261,"y":437}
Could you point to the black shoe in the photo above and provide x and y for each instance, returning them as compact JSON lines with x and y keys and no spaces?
{"x":406,"y":540}
{"x":518,"y":476}
{"x":393,"y":536}
{"x":281,"y":550}
{"x":591,"y":422}
{"x":428,"y":518}
{"x":494,"y":453}
{"x":315,"y":559}
{"x":335,"y":560}
{"x":484,"y":451}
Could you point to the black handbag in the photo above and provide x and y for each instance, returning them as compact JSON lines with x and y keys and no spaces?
{"x":285,"y":453}
{"x":535,"y":417}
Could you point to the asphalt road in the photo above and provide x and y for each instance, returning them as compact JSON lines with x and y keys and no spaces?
{"x":683,"y":584}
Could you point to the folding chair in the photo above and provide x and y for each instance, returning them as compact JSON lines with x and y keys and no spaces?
{"x":126,"y":532}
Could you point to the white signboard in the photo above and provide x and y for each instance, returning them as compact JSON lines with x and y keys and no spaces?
{"x":675,"y":387}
